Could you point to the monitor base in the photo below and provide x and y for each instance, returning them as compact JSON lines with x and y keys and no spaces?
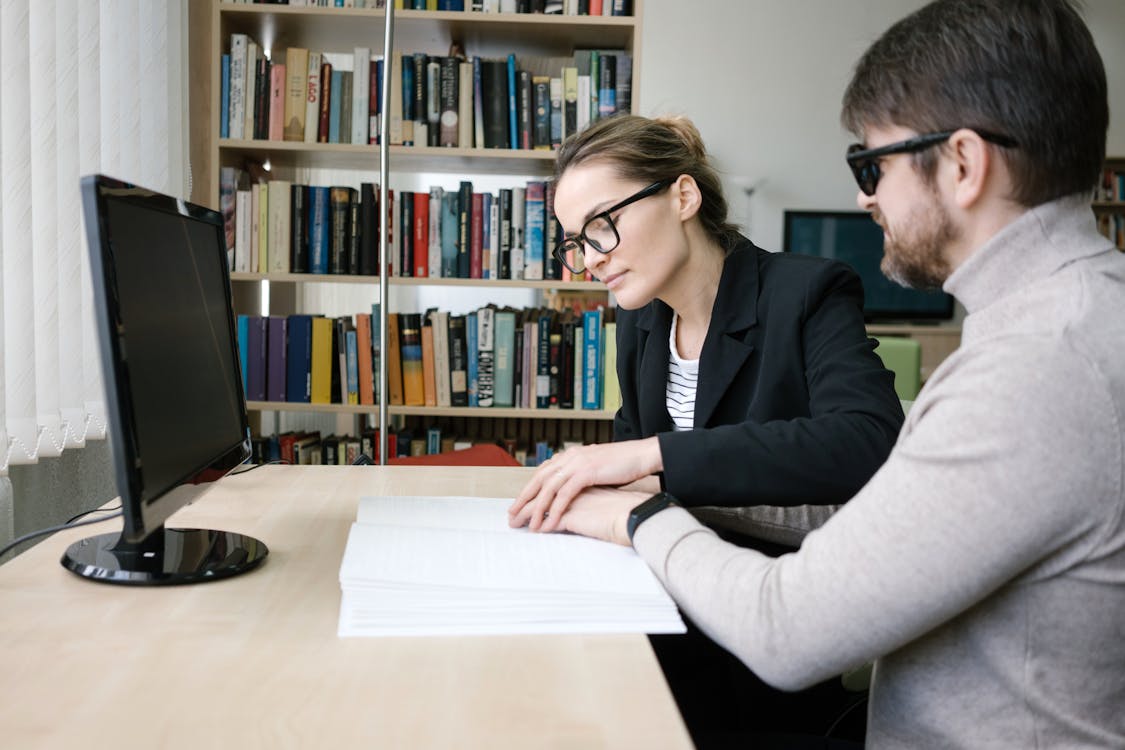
{"x":165,"y":557}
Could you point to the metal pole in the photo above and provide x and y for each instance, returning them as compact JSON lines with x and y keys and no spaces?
{"x":384,"y":250}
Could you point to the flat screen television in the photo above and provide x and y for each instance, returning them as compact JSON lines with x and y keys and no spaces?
{"x":854,"y":238}
{"x":176,"y":411}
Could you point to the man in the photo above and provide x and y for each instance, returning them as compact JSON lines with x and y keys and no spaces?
{"x":983,"y":567}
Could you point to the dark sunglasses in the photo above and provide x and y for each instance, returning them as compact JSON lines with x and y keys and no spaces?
{"x":599,"y":232}
{"x":865,"y":162}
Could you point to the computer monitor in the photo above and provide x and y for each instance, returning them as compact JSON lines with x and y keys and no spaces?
{"x":176,"y":411}
{"x":854,"y":238}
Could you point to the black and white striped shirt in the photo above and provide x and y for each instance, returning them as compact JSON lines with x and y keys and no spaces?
{"x":683,"y":376}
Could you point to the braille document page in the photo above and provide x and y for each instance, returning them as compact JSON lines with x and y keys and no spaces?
{"x":451,"y":566}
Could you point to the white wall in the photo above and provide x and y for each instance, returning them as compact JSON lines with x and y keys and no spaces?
{"x":763,"y":80}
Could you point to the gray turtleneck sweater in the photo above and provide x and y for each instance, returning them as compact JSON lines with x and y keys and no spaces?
{"x":983,"y":566}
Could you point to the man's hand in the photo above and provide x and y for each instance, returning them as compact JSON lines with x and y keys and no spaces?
{"x":602,"y":513}
{"x":542,"y":504}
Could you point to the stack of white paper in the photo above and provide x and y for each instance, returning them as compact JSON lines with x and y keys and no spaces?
{"x":452,"y":566}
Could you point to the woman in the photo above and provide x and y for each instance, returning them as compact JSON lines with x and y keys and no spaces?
{"x":750,"y":390}
{"x":747,"y":377}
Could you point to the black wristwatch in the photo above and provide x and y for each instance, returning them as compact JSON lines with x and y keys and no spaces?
{"x":650,"y":507}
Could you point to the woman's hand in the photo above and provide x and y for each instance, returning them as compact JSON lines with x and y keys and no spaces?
{"x":542,"y":504}
{"x":602,"y":513}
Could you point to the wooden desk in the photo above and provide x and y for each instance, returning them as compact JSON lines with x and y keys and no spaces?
{"x":254,"y":661}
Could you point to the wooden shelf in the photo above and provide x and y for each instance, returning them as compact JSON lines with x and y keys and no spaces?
{"x":298,"y":154}
{"x":326,"y":278}
{"x":1110,"y":206}
{"x":434,"y":411}
{"x":279,"y":26}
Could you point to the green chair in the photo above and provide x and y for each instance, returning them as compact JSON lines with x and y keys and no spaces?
{"x":903,"y":357}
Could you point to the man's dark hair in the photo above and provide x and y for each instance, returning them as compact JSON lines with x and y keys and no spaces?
{"x":1025,"y":68}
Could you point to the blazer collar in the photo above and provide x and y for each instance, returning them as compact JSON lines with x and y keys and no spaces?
{"x":724,"y":352}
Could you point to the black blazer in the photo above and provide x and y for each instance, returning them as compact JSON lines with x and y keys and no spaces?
{"x":792,"y":407}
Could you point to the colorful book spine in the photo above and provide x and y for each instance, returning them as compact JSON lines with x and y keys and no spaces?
{"x":471,"y":357}
{"x":413,"y":382}
{"x":352,"y":347}
{"x":534,"y":230}
{"x":504,"y":348}
{"x":591,"y":359}
{"x":486,"y":368}
{"x":276,"y":352}
{"x":224,"y":97}
{"x":298,"y":382}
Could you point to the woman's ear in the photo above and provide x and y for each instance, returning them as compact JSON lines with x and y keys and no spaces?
{"x":685,"y":191}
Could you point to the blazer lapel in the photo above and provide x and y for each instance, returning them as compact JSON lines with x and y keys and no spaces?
{"x":725,"y":350}
{"x":656,"y":319}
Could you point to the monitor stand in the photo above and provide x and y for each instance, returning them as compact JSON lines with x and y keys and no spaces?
{"x":165,"y":557}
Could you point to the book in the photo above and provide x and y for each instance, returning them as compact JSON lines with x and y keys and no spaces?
{"x":312,"y":97}
{"x":429,"y":384}
{"x":296,"y":92}
{"x":494,"y":103}
{"x":431,"y":566}
{"x":364,"y":362}
{"x":485,"y":358}
{"x":277,"y":103}
{"x":591,"y":359}
{"x":339,"y":203}
{"x":280,"y":205}
{"x":394,"y":361}
{"x":236,"y":115}
{"x":611,"y":388}
{"x":368,"y":229}
{"x":256,"y":358}
{"x":421,"y":234}
{"x":471,"y":358}
{"x":224,"y":96}
{"x":352,"y":357}
{"x":360,"y":93}
{"x":465,"y":104}
{"x":464,"y":229}
{"x":242,"y":333}
{"x":504,"y":328}
{"x":458,"y":362}
{"x":433,"y":237}
{"x":321,"y":361}
{"x":450,"y":229}
{"x":413,"y":384}
{"x":320,"y":229}
{"x":298,"y":229}
{"x":276,"y":353}
{"x":440,"y":323}
{"x":324,"y":126}
{"x":298,"y":383}
{"x":534,"y":251}
{"x":450,"y":85}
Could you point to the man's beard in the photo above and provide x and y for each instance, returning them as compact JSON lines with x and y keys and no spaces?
{"x":914,"y":253}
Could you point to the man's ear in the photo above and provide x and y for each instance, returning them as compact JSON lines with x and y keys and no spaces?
{"x":970,"y":165}
{"x":688,"y":197}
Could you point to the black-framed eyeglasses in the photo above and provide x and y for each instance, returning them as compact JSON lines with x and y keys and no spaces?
{"x":599,"y":231}
{"x":865,"y":162}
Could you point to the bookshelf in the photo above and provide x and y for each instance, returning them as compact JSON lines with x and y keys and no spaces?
{"x":339,"y":30}
{"x":1109,"y":201}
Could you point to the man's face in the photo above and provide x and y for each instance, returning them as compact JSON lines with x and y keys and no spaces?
{"x":916,"y":222}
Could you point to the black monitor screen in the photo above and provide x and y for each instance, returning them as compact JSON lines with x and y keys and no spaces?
{"x":854,"y":238}
{"x":171,"y":297}
{"x":175,"y":407}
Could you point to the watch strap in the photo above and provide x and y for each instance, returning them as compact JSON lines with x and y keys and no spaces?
{"x":647,"y":509}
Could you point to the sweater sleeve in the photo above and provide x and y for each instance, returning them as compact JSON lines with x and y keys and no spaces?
{"x":966,"y":504}
{"x":824,"y":458}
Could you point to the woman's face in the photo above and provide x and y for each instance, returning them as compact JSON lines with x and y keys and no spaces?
{"x":653,"y":245}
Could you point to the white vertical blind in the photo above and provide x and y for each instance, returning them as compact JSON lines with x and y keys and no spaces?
{"x":86,"y":87}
